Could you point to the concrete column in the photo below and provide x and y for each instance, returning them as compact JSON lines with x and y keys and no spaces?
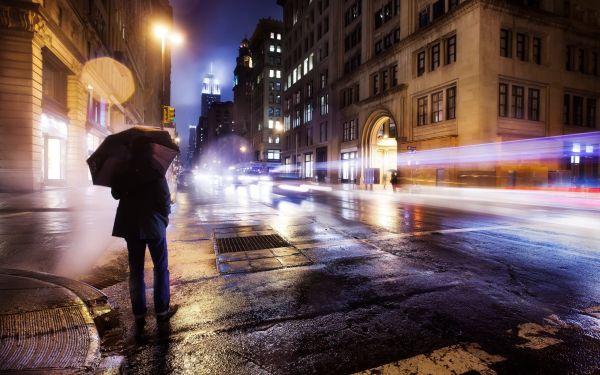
{"x":77,"y":102}
{"x":21,"y":143}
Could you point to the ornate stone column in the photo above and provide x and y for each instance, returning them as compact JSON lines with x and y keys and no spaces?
{"x":21,"y":143}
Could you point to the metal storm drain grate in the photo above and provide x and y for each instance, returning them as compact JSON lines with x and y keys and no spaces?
{"x":249,"y":243}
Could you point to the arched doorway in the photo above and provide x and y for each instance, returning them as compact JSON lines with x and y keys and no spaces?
{"x":379,"y":148}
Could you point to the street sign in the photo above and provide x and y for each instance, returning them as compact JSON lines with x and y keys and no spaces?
{"x":411,"y":149}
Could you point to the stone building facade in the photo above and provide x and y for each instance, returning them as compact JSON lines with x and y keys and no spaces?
{"x":257,"y":93}
{"x":418,"y":83}
{"x":309,"y":64}
{"x":72,"y":73}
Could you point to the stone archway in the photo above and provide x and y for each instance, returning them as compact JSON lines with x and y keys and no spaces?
{"x":379,"y":147}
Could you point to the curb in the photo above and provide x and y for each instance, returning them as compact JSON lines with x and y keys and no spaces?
{"x":92,"y":306}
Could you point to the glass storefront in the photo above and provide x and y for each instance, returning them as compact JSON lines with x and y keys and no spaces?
{"x":54,"y":130}
{"x":349,"y":167}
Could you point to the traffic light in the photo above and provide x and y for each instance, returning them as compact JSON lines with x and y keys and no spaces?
{"x":165,"y":114}
{"x":171,"y":115}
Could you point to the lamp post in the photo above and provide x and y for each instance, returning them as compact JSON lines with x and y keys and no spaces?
{"x":163,"y":33}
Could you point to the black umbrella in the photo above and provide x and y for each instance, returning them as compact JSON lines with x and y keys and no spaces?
{"x":137,"y":148}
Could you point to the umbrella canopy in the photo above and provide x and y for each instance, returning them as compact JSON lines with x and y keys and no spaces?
{"x":110,"y":163}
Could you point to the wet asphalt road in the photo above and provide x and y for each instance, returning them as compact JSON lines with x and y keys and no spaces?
{"x":390,"y":284}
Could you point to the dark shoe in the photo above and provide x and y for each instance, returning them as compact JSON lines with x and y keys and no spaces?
{"x":166,"y":316}
{"x":138,"y":329}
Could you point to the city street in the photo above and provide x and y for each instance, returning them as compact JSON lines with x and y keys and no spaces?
{"x":372,"y":283}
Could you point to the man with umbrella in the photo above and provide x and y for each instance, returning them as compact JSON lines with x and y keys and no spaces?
{"x":133,"y":164}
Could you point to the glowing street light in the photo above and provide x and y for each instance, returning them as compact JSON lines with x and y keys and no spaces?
{"x":243,"y":149}
{"x":163,"y":33}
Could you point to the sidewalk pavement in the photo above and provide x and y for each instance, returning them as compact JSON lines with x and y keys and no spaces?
{"x":47,"y":323}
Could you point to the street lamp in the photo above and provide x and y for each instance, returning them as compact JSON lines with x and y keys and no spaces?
{"x":164,"y":33}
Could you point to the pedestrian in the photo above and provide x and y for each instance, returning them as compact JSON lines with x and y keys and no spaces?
{"x":385,"y":179}
{"x":141,"y":219}
{"x":394,"y":180}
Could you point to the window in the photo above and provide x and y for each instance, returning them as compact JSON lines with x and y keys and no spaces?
{"x":451,"y":103}
{"x":272,"y":35}
{"x":503,"y":100}
{"x":437,"y":107}
{"x":375,"y":83}
{"x":308,"y":112}
{"x":278,"y":36}
{"x":533,"y":106}
{"x":566,"y":109}
{"x":323,"y":132}
{"x":324,"y":104}
{"x":278,"y":74}
{"x":420,"y":63}
{"x":273,"y":154}
{"x":394,"y":81}
{"x":350,"y":130}
{"x":505,"y":43}
{"x":451,"y":49}
{"x":452,"y":4}
{"x":392,"y":133}
{"x":323,"y":79}
{"x":438,"y":9}
{"x":577,"y":111}
{"x":581,"y":60}
{"x":424,"y":17}
{"x":435,"y":56}
{"x":522,"y":46}
{"x":277,"y":139}
{"x":517,"y":102}
{"x":272,"y":48}
{"x":537,"y":50}
{"x":385,"y":79}
{"x":270,"y":140}
{"x":271,"y":73}
{"x":271,"y":124}
{"x":297,"y":121}
{"x":422,"y":111}
{"x":308,"y":165}
{"x":591,"y":113}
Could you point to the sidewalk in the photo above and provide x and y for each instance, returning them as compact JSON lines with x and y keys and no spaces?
{"x":47,"y":323}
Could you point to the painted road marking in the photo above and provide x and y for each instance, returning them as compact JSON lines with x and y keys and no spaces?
{"x":455,"y":359}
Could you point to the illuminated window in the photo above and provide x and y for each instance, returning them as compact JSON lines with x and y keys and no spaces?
{"x":272,"y":35}
{"x":271,"y":123}
{"x":278,"y":36}
{"x":437,"y":107}
{"x":271,"y":73}
{"x":517,"y":101}
{"x":278,"y":49}
{"x":273,"y":154}
{"x":278,"y":74}
{"x":277,"y":139}
{"x":270,"y":139}
{"x":308,"y":165}
{"x":271,"y":48}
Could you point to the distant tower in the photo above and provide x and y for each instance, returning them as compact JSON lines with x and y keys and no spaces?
{"x":242,"y":88}
{"x":211,"y":92}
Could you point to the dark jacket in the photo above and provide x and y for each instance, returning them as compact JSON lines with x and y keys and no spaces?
{"x":143,"y":210}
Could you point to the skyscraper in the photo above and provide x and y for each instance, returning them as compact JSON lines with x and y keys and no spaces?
{"x":211,"y":92}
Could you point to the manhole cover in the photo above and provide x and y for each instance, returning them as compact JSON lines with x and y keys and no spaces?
{"x":249,"y":243}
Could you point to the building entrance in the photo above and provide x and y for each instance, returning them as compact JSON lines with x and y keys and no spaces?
{"x":382,"y":151}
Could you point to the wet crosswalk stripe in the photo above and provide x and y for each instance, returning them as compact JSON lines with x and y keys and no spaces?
{"x":455,"y":359}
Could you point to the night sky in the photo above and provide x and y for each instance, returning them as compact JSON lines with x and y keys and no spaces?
{"x":213,"y":30}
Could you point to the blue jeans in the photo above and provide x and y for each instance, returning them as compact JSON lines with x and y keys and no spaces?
{"x":137,"y":289}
